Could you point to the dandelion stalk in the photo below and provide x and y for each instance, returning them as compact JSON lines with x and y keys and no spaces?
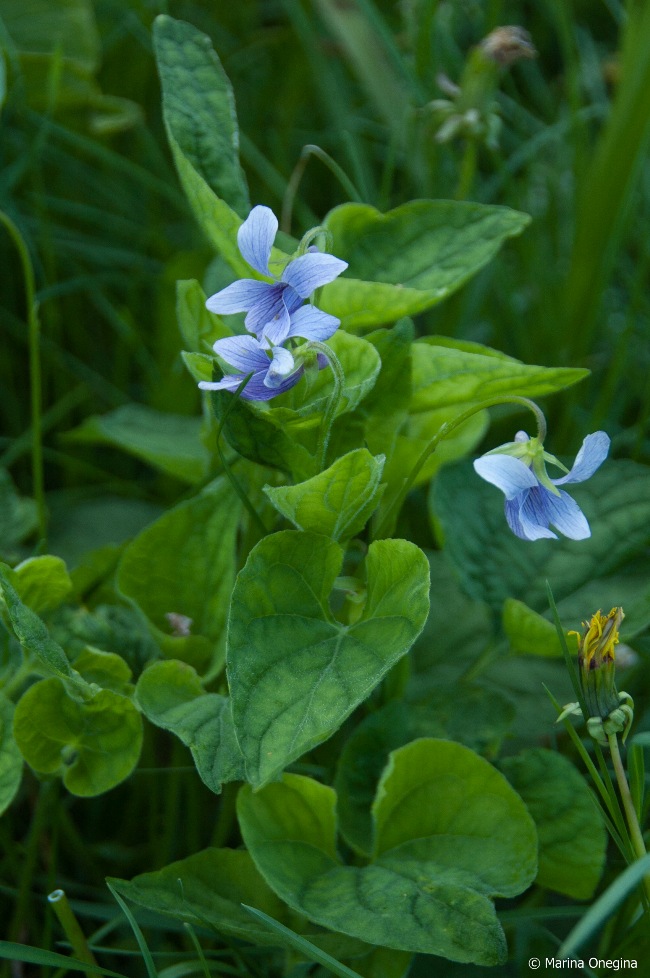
{"x":72,"y":929}
{"x":636,"y":836}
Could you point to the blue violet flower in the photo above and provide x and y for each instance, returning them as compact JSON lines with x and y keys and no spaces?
{"x":274,"y":369}
{"x":534,"y":502}
{"x":269,"y":306}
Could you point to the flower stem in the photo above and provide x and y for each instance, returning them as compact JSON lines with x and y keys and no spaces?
{"x":636,"y":836}
{"x":333,"y":403}
{"x":445,"y":430}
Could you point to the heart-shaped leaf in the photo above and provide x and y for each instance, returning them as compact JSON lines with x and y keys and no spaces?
{"x":449,"y":833}
{"x":295,"y":672}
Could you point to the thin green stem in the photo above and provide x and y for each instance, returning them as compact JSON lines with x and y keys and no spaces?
{"x":445,"y":430}
{"x":295,"y":178}
{"x":333,"y":403}
{"x":35,"y":382}
{"x":72,"y":929}
{"x":636,"y":835}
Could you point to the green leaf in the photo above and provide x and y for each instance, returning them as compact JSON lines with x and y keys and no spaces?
{"x":93,"y":744}
{"x":478,"y":718}
{"x":184,"y":564}
{"x":529,"y":633}
{"x":105,"y":669}
{"x":439,"y":802}
{"x":494,"y":565}
{"x":199,"y":328}
{"x":412,"y":897}
{"x":446,"y":372}
{"x":409,"y":259}
{"x":199,"y":108}
{"x":199,"y":365}
{"x":171,"y":696}
{"x":285,"y":435}
{"x":337,"y":502}
{"x":32,"y":633}
{"x":209,"y":888}
{"x":199,"y":114}
{"x":43,"y":583}
{"x":572,"y":837}
{"x":169,"y":442}
{"x":295,"y":672}
{"x":11,"y":762}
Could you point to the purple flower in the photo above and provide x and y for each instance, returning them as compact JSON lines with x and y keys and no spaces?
{"x":533,"y":501}
{"x":274,"y":369}
{"x":269,"y":306}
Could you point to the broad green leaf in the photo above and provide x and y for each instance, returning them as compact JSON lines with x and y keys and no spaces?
{"x":32,"y":633}
{"x":337,"y":502}
{"x":105,"y":669}
{"x":199,"y":328}
{"x":43,"y":583}
{"x":194,"y":87}
{"x":112,"y":628}
{"x":494,"y":565}
{"x":208,"y":889}
{"x":385,"y":408}
{"x":572,"y":837}
{"x":184,"y":564}
{"x":93,"y":744}
{"x":256,"y":435}
{"x":169,"y":442}
{"x":295,"y":672}
{"x":438,"y":802}
{"x":457,"y":633}
{"x":405,"y":900}
{"x":446,"y":373}
{"x":171,"y":696}
{"x":478,"y":718}
{"x":199,"y":108}
{"x":529,"y":633}
{"x":18,"y":516}
{"x":407,"y":260}
{"x":11,"y":762}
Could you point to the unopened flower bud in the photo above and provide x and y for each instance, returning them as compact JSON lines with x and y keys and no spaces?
{"x":596,"y":662}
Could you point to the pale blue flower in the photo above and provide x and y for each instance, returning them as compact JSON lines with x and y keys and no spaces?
{"x":269,"y":306}
{"x":533,"y":501}
{"x":274,"y":369}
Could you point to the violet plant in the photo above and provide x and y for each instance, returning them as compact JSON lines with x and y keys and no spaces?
{"x":337,"y":672}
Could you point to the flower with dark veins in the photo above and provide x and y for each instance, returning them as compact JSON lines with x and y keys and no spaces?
{"x":269,"y":306}
{"x":273,"y":369}
{"x":534,"y":502}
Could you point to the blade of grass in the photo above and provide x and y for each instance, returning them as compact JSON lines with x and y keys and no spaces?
{"x":301,"y":944}
{"x":604,"y":907}
{"x":139,"y":936}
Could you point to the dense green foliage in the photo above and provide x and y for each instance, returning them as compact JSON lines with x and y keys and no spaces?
{"x":277,"y":669}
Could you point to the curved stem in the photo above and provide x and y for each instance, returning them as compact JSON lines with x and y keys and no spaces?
{"x":296,"y":177}
{"x":636,"y":836}
{"x":333,"y":403}
{"x":445,"y":430}
{"x":35,"y":383}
